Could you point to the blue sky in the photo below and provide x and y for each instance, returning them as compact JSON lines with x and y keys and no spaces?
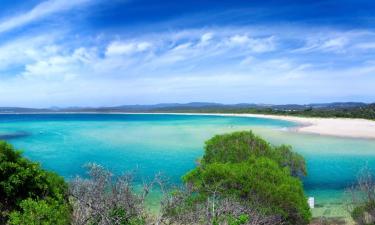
{"x":114,"y":52}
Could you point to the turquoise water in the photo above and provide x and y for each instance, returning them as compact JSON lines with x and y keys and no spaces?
{"x":171,"y":144}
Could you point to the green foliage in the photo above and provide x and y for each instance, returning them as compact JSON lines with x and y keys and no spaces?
{"x":40,"y":212}
{"x":241,"y":146}
{"x":234,"y":147}
{"x":122,"y":217}
{"x":365,"y":112}
{"x":261,"y":179}
{"x":21,"y":179}
{"x":362,"y":214}
{"x":242,"y":219}
{"x":245,"y":166}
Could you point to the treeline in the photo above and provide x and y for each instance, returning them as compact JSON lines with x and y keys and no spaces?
{"x":241,"y":179}
{"x":364,"y":112}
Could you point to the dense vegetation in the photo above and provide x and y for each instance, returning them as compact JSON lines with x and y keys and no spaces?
{"x":241,"y":179}
{"x":29,"y":194}
{"x":243,"y":166}
{"x":365,"y":112}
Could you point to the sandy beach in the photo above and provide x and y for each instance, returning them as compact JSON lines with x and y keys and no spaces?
{"x":340,"y":127}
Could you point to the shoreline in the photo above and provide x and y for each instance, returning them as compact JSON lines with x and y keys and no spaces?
{"x":337,"y":127}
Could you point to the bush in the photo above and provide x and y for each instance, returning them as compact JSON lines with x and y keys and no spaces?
{"x":259,"y":180}
{"x":242,"y":165}
{"x":240,"y":146}
{"x":24,"y":183}
{"x":40,"y":212}
{"x":185,"y":207}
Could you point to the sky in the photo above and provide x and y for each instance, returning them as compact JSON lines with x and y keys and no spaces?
{"x":118,"y":52}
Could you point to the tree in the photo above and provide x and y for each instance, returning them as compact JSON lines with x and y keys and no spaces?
{"x":23,"y":183}
{"x":34,"y":212}
{"x":240,"y":146}
{"x":245,"y":167}
{"x":261,"y":181}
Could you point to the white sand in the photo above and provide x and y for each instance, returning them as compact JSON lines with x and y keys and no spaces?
{"x":339,"y":127}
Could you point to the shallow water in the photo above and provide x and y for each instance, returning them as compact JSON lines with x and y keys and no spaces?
{"x":171,"y":144}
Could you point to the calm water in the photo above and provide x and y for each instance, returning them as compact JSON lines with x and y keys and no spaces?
{"x":172,"y":143}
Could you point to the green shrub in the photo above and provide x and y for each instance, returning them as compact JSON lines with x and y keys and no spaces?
{"x":261,"y":180}
{"x":241,"y":146}
{"x":43,"y":212}
{"x":22,"y":182}
{"x":245,"y":166}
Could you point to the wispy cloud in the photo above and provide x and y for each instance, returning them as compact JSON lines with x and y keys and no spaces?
{"x":104,"y":62}
{"x":40,"y":11}
{"x":219,"y":64}
{"x":118,"y":48}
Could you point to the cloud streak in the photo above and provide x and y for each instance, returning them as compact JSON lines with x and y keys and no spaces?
{"x":75,"y":65}
{"x":216,"y":64}
{"x":40,"y":11}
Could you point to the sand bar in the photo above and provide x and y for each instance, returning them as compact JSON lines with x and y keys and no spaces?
{"x":340,"y":127}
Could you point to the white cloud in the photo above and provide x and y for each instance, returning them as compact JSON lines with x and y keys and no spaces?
{"x":240,"y":39}
{"x":216,"y":63}
{"x":206,"y":37}
{"x":258,"y":45}
{"x":122,"y":48}
{"x":21,"y":51}
{"x":62,"y":66}
{"x":335,"y":44}
{"x":43,"y":9}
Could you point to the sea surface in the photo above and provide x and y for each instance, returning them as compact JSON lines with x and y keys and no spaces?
{"x":171,"y":144}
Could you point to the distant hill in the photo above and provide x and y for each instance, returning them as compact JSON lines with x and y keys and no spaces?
{"x":190,"y":107}
{"x":335,"y":109}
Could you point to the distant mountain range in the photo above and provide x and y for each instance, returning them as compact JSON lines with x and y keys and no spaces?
{"x":180,"y":107}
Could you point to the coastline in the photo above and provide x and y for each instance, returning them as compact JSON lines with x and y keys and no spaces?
{"x":338,"y":127}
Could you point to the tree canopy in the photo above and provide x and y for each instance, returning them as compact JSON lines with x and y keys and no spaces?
{"x":25,"y":185}
{"x":244,"y":166}
{"x":241,"y":146}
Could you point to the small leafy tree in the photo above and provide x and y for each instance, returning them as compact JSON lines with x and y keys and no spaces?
{"x":240,"y":146}
{"x":260,"y":180}
{"x":245,"y":167}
